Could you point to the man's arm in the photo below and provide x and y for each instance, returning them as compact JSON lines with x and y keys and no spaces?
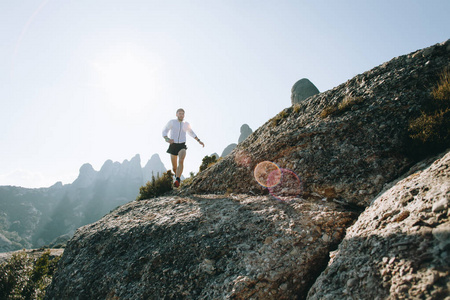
{"x":200,"y":142}
{"x":166,"y":131}
{"x":192,"y":133}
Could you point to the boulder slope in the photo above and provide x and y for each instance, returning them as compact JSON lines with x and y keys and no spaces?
{"x":257,"y":247}
{"x":344,"y":143}
{"x":202,"y":247}
{"x":224,"y":236}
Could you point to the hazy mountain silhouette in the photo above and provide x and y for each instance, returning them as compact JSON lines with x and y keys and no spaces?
{"x":37,"y":217}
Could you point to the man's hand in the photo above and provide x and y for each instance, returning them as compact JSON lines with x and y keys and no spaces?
{"x":201,"y":143}
{"x":170,"y":141}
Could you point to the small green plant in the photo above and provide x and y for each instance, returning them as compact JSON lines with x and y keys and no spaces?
{"x":431,"y":128}
{"x":346,"y":104}
{"x":207,"y":161}
{"x":275,"y":121}
{"x":430,"y":133}
{"x":23,"y":277}
{"x":157,"y":186}
{"x":328,"y":111}
{"x":349,"y":102}
{"x":442,"y":91}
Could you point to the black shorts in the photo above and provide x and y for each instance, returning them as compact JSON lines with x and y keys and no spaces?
{"x":174,"y":148}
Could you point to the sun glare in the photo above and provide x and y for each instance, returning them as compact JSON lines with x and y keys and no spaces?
{"x":128,"y":81}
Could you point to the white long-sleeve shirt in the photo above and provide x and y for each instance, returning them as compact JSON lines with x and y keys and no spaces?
{"x":178,"y":131}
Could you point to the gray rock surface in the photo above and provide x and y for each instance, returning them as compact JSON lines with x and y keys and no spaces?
{"x":302,"y":89}
{"x":256,"y":247}
{"x":399,"y":247}
{"x":202,"y":247}
{"x":245,"y":132}
{"x":345,"y":143}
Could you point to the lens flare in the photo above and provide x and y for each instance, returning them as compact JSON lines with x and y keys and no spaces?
{"x":289,"y":187}
{"x":267,"y":174}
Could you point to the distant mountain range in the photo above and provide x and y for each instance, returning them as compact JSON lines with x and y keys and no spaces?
{"x":32,"y":218}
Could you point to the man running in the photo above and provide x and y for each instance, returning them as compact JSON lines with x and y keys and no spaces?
{"x":177,"y":141}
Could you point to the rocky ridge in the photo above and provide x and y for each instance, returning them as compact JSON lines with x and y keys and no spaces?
{"x":226,"y":236}
{"x":345,"y":143}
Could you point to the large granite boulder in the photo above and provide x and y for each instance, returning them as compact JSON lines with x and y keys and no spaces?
{"x":202,"y":247}
{"x":302,"y":89}
{"x":245,"y":132}
{"x":399,"y":247}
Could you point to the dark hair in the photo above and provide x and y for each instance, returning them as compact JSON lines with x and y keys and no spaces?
{"x":180,"y":109}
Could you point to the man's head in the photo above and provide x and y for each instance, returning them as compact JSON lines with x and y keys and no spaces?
{"x":180,"y":114}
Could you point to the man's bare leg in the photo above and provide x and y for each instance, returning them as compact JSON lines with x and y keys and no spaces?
{"x":174,"y":159}
{"x":181,"y":156}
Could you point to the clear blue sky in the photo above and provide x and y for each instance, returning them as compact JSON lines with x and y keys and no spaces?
{"x":86,"y":81}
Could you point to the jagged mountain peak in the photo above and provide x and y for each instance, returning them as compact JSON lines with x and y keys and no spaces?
{"x":60,"y":209}
{"x":86,"y":176}
{"x":153,"y":167}
{"x":155,"y":157}
{"x":136,"y":160}
{"x":86,"y":169}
